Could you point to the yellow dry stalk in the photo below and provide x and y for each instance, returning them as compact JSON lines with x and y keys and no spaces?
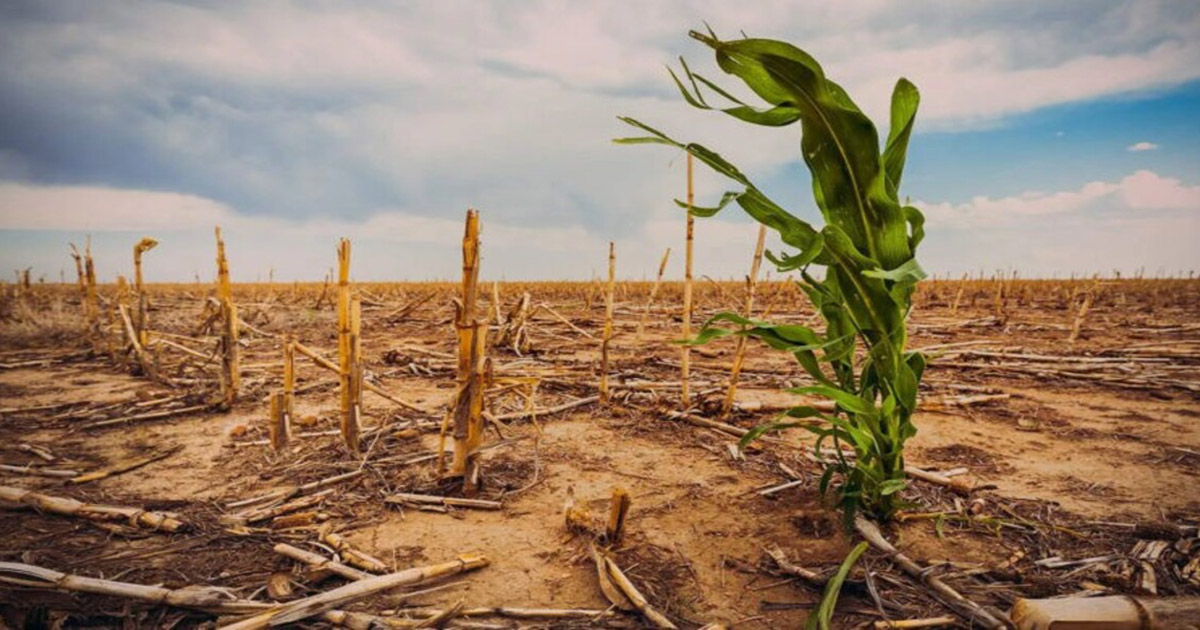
{"x":739,"y":354}
{"x":962,"y":286}
{"x":142,"y":246}
{"x":618,"y":509}
{"x":352,"y":422}
{"x":277,"y":427}
{"x":685,"y":351}
{"x":662,"y":267}
{"x":141,"y":321}
{"x":92,"y":301}
{"x":495,"y":306}
{"x":282,"y":405}
{"x":467,"y":411}
{"x":114,"y":320}
{"x":1077,"y":324}
{"x":231,"y":377}
{"x":608,"y":322}
{"x":349,"y":417}
{"x":289,"y":371}
{"x":82,"y":278}
{"x":224,"y":290}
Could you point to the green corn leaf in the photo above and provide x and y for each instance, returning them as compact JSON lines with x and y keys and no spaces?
{"x":706,"y":334}
{"x":763,"y":429}
{"x":819,"y":619}
{"x":892,"y":486}
{"x":908,"y":273}
{"x":706,"y":212}
{"x":905,"y":99}
{"x":845,"y":400}
{"x":916,"y":226}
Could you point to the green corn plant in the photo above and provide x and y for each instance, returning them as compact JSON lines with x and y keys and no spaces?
{"x":866,"y":248}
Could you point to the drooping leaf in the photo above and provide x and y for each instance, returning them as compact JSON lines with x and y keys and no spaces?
{"x":819,"y":618}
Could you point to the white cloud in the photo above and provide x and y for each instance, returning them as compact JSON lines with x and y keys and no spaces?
{"x":1142,"y":146}
{"x":1140,"y":191}
{"x":94,"y":208}
{"x":1146,"y":190}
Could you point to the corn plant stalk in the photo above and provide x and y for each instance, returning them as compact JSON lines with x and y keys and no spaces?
{"x":352,"y":428}
{"x":283,"y":401}
{"x":608,"y":322}
{"x":82,"y":279}
{"x":92,"y":299}
{"x":141,"y":323}
{"x":467,"y":414}
{"x":662,"y":267}
{"x":686,"y":352}
{"x":866,"y":248}
{"x":497,"y":315}
{"x":739,"y":354}
{"x":277,"y":427}
{"x":618,"y":510}
{"x":230,"y":369}
{"x":349,"y":370}
{"x":149,"y":367}
{"x":962,"y":286}
{"x":1084,"y":307}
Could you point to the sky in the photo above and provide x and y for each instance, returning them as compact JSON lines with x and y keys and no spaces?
{"x":1054,"y":138}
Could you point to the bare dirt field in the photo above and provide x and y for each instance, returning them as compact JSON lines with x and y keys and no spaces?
{"x":1085,"y":451}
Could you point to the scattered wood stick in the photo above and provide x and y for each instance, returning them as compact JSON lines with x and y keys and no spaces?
{"x":71,"y":507}
{"x":368,"y":385}
{"x":153,"y":415}
{"x":766,"y":492}
{"x":158,"y":341}
{"x":546,"y":307}
{"x":123,"y":468}
{"x":614,"y":595}
{"x":319,"y":562}
{"x":288,"y":492}
{"x":567,"y":406}
{"x":948,"y":596}
{"x":347,"y":551}
{"x":1118,"y":612}
{"x":958,"y":486}
{"x":701,"y":421}
{"x":815,"y":579}
{"x":38,"y":472}
{"x":521,"y":613}
{"x":635,"y":596}
{"x":37,"y":451}
{"x":317,"y":604}
{"x":254,"y":515}
{"x":910,"y":624}
{"x":429,"y":499}
{"x":205,"y":598}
